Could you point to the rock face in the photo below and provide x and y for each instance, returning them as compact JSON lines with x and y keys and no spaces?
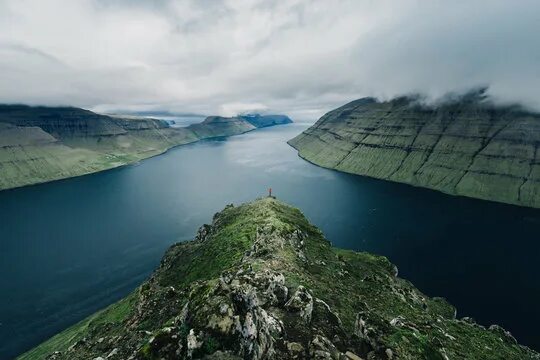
{"x":468,"y":147}
{"x":266,"y":120}
{"x":39,"y":144}
{"x":260,"y":282}
{"x":220,"y":126}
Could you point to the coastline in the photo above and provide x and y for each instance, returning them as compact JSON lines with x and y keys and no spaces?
{"x":135,"y":161}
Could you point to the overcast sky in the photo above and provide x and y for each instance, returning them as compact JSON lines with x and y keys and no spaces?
{"x":300,"y":57}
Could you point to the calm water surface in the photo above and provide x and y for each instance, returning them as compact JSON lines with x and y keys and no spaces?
{"x":71,"y":247}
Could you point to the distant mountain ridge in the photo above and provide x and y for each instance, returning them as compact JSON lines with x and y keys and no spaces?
{"x":265,"y":120}
{"x":465,"y":146}
{"x":40,"y":144}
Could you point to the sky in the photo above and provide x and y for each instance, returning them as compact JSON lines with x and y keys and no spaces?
{"x":298,"y":57}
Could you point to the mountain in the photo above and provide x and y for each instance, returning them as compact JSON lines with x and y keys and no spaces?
{"x":261,"y":282}
{"x":466,"y":146}
{"x":40,"y":144}
{"x":266,"y":120}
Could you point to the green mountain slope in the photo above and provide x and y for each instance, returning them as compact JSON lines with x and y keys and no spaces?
{"x":40,"y":144}
{"x":468,"y":147}
{"x":261,"y":282}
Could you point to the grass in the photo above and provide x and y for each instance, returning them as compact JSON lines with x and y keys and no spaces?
{"x":114,"y":315}
{"x":469,"y":149}
{"x":405,"y":320}
{"x":86,"y":143}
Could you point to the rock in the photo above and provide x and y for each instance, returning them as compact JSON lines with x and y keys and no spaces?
{"x":249,"y":330}
{"x":77,"y":344}
{"x":352,"y":356}
{"x":296,"y":239}
{"x":397,"y":322}
{"x":203,"y":232}
{"x":171,"y":292}
{"x":322,"y":348}
{"x":366,"y":332}
{"x":55,"y":355}
{"x":360,"y":329}
{"x":193,"y":343}
{"x":277,"y":290}
{"x":112,"y":353}
{"x":244,"y":298}
{"x":295,"y":349}
{"x":259,"y":331}
{"x":222,"y":355}
{"x":182,"y":317}
{"x":325,"y":317}
{"x":504,"y":334}
{"x":225,"y":322}
{"x":301,"y":301}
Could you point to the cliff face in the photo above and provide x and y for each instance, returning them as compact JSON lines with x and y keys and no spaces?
{"x":266,"y":120}
{"x":467,"y":147}
{"x":224,"y":125}
{"x":260,"y":282}
{"x":39,"y":144}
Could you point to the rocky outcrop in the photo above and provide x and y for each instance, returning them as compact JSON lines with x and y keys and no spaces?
{"x":40,"y":144}
{"x":260,"y":282}
{"x":466,"y":147}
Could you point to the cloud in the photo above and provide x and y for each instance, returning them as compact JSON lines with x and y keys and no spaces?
{"x":300,"y":57}
{"x":238,"y":108}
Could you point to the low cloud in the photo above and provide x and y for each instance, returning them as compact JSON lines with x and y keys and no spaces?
{"x":300,"y":57}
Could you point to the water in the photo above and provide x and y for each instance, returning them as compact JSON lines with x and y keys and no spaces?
{"x":71,"y":247}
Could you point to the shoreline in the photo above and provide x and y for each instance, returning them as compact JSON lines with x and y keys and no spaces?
{"x":131,"y":162}
{"x":412,"y":185}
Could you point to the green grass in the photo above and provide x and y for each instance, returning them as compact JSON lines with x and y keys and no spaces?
{"x":470,"y":149}
{"x":113,"y":315}
{"x":86,"y":143}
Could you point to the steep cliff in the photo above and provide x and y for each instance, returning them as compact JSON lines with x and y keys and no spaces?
{"x":221,"y":126}
{"x":266,"y":120}
{"x":466,"y":147}
{"x":261,"y":282}
{"x":39,"y":144}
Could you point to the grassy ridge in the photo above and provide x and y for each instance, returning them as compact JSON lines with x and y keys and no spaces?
{"x":262,"y":264}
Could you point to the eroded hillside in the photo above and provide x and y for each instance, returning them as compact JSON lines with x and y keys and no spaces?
{"x":468,"y":147}
{"x":40,"y":144}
